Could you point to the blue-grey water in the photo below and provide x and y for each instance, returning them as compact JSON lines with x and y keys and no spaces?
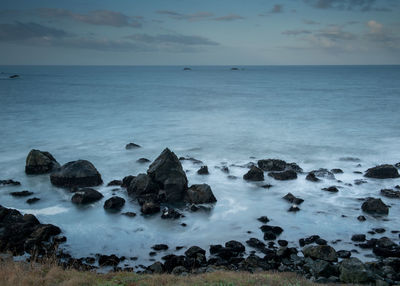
{"x":312,"y":115}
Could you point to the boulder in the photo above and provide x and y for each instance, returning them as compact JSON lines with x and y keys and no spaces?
{"x":322,"y":252}
{"x":114,"y":204}
{"x":271,"y":165}
{"x":283,"y":176}
{"x":382,"y":172}
{"x":40,"y":162}
{"x":109,"y":260}
{"x":21,"y":194}
{"x":322,"y":268}
{"x":236,"y":246}
{"x":159,"y":247}
{"x":203,"y":170}
{"x":375,"y":206}
{"x":142,"y":185}
{"x":32,"y":200}
{"x":337,"y":171}
{"x":143,"y":160}
{"x":358,"y":237}
{"x":323,"y":173}
{"x":254,"y":174}
{"x":9,"y":182}
{"x":200,"y":194}
{"x":292,"y":199}
{"x":312,"y":178}
{"x":194,"y":250}
{"x":114,"y":183}
{"x":126,"y":181}
{"x":79,"y":173}
{"x":352,"y":270}
{"x":86,"y":196}
{"x":156,"y":268}
{"x":132,"y":146}
{"x":390,"y":193}
{"x":150,"y":208}
{"x":255,"y":243}
{"x":168,"y":173}
{"x":331,"y":189}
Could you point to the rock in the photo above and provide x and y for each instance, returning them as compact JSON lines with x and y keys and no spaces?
{"x":187,"y":69}
{"x":311,"y":177}
{"x":10,"y":182}
{"x":337,"y":171}
{"x":272,"y":165}
{"x":150,"y":208}
{"x":129,"y":214}
{"x":159,"y":247}
{"x":14,"y":76}
{"x":266,"y":186}
{"x":382,"y":172}
{"x":132,"y":146}
{"x":352,"y":270}
{"x":255,"y":243}
{"x":86,"y":196}
{"x":274,"y":229}
{"x":200,"y":194}
{"x":323,"y":173}
{"x":193,"y":160}
{"x":156,"y":268}
{"x":171,"y":214}
{"x":179,"y":270}
{"x":322,"y":252}
{"x":390,"y":193}
{"x":32,"y":200}
{"x":40,"y":162}
{"x":225,"y":169}
{"x":283,"y":176}
{"x":109,"y":260}
{"x":172,"y":261}
{"x":126,"y":181}
{"x":79,"y":173}
{"x":114,"y":183}
{"x":167,"y":172}
{"x":254,"y":174}
{"x":143,"y":160}
{"x":114,"y":204}
{"x":203,"y":170}
{"x":379,"y":230}
{"x":350,"y":159}
{"x":322,"y":268}
{"x":143,"y":185}
{"x":194,"y":250}
{"x":343,"y":254}
{"x":236,"y":246}
{"x":358,"y":237}
{"x":331,"y":189}
{"x":375,"y":206}
{"x":263,"y":219}
{"x":294,"y":208}
{"x":292,"y":199}
{"x":21,"y":194}
{"x":359,"y":182}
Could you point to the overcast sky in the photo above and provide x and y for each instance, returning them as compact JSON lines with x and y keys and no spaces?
{"x":202,"y":32}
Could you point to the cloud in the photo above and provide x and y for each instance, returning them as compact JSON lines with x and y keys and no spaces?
{"x":97,"y":17}
{"x":172,"y":39}
{"x":188,"y":17}
{"x":296,"y":32}
{"x":28,"y":31}
{"x":230,"y":17}
{"x":360,"y":5}
{"x":381,"y":36}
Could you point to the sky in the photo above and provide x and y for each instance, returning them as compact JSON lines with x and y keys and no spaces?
{"x":203,"y":32}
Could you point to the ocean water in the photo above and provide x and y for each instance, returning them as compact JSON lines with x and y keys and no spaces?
{"x":312,"y":115}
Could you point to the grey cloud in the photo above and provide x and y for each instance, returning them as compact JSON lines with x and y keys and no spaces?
{"x":97,"y":17}
{"x":361,"y":5}
{"x":172,"y":39}
{"x":188,"y":17}
{"x":27,"y":31}
{"x":230,"y":17}
{"x":296,"y":32}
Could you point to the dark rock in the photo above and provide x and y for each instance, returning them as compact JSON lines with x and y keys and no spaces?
{"x":109,"y":260}
{"x":254,"y":174}
{"x":382,"y":172}
{"x":156,"y":268}
{"x":40,"y":162}
{"x":143,"y":160}
{"x":114,"y":204}
{"x":358,"y":237}
{"x":215,"y":248}
{"x":294,"y":208}
{"x":292,"y":199}
{"x":32,"y":200}
{"x":274,"y":229}
{"x":172,"y":261}
{"x":267,"y":186}
{"x":127,"y":181}
{"x":59,"y":239}
{"x":283,"y":243}
{"x":10,"y":182}
{"x":321,"y":241}
{"x":283,"y":176}
{"x":114,"y":183}
{"x":225,"y":169}
{"x":272,"y":165}
{"x":337,"y":171}
{"x":14,"y":76}
{"x":311,"y":177}
{"x":352,"y":270}
{"x":322,"y":268}
{"x":375,"y":206}
{"x":194,"y":251}
{"x":232,"y":177}
{"x":179,"y":270}
{"x":343,"y":254}
{"x":263,"y":219}
{"x":193,"y":160}
{"x":390,"y":193}
{"x":322,"y":252}
{"x":255,"y":243}
{"x":159,"y":247}
{"x":323,"y":173}
{"x":86,"y":196}
{"x":132,"y":146}
{"x":203,"y":170}
{"x":350,"y":159}
{"x":129,"y":214}
{"x":79,"y":173}
{"x":21,"y":194}
{"x":171,"y":214}
{"x":361,"y":218}
{"x":167,"y":172}
{"x":308,"y":240}
{"x":150,"y":208}
{"x":359,"y":182}
{"x":331,"y":189}
{"x":187,"y":69}
{"x":379,"y":230}
{"x":236,"y":246}
{"x":200,"y":194}
{"x":269,"y":235}
{"x":143,"y":185}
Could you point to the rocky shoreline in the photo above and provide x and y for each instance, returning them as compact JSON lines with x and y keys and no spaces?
{"x":165,"y":189}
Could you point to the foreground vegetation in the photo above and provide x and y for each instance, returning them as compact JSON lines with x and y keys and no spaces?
{"x":22,"y":273}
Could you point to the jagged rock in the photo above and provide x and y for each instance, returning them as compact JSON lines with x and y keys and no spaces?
{"x":254,"y":174}
{"x":79,"y":173}
{"x":86,"y":196}
{"x":200,"y":194}
{"x":142,"y":185}
{"x":114,"y":204}
{"x":382,"y":172}
{"x":171,"y":214}
{"x":40,"y":162}
{"x":283,"y":176}
{"x":352,"y":270}
{"x":294,"y":208}
{"x":263,"y":219}
{"x":323,"y":252}
{"x":375,"y":206}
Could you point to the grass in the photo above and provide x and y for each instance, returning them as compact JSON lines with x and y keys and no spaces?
{"x":49,"y":274}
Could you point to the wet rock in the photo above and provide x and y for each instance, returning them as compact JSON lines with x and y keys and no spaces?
{"x":126,"y":181}
{"x":9,"y":182}
{"x":322,"y":268}
{"x":194,"y":251}
{"x":40,"y":162}
{"x":321,"y":241}
{"x":232,"y":177}
{"x":171,"y":214}
{"x":331,"y":189}
{"x":272,"y":165}
{"x":142,"y":185}
{"x":375,"y":206}
{"x":172,"y":261}
{"x":22,"y":194}
{"x":385,"y":247}
{"x":361,"y":218}
{"x":350,"y":159}
{"x":322,"y":252}
{"x":236,"y":246}
{"x":143,"y":160}
{"x":79,"y":173}
{"x":267,"y":186}
{"x":255,"y":243}
{"x":131,"y":145}
{"x":343,"y":254}
{"x":358,"y":237}
{"x":150,"y":208}
{"x":283,"y":176}
{"x":193,"y":160}
{"x":254,"y":174}
{"x":323,"y":173}
{"x":203,"y":170}
{"x":156,"y":268}
{"x":263,"y":219}
{"x":382,"y":172}
{"x":292,"y":199}
{"x":359,"y":182}
{"x":159,"y":247}
{"x":379,"y":230}
{"x":86,"y":196}
{"x":352,"y":270}
{"x":167,"y":172}
{"x":179,"y":270}
{"x":225,"y":169}
{"x":32,"y":200}
{"x":109,"y":260}
{"x":129,"y":214}
{"x":114,"y":183}
{"x":337,"y":171}
{"x":390,"y":193}
{"x":200,"y":194}
{"x":294,"y":208}
{"x":114,"y":204}
{"x":14,"y":76}
{"x":312,"y":177}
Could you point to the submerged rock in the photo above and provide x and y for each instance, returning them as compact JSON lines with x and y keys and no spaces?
{"x":382,"y":172}
{"x":143,"y":160}
{"x":21,"y":194}
{"x":86,"y":196}
{"x":312,"y":177}
{"x":292,"y":199}
{"x":40,"y":162}
{"x":171,"y":214}
{"x":200,"y":194}
{"x":323,"y":173}
{"x":203,"y":170}
{"x":390,"y":193}
{"x":283,"y":176}
{"x":168,"y":173}
{"x":375,"y":206}
{"x":277,"y":165}
{"x":79,"y":173}
{"x":331,"y":189}
{"x":132,"y":146}
{"x":337,"y":171}
{"x":254,"y":174}
{"x":114,"y":204}
{"x":10,"y":182}
{"x":32,"y":200}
